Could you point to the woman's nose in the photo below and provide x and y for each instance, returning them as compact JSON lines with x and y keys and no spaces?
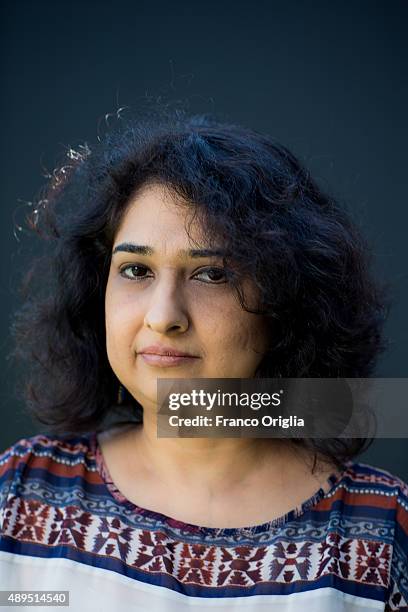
{"x":166,"y":310}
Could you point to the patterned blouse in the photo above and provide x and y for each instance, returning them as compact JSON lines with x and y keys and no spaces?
{"x":64,"y":526}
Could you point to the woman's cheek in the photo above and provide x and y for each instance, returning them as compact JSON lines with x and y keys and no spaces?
{"x":120,"y":337}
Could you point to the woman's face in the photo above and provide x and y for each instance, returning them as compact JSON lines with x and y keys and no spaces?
{"x":164,"y":293}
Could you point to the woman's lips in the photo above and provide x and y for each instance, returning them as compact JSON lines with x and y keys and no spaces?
{"x":165,"y":361}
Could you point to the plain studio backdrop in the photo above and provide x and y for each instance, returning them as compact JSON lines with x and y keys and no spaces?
{"x":328,"y":79}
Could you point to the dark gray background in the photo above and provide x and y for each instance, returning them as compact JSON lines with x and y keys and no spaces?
{"x":328,"y":79}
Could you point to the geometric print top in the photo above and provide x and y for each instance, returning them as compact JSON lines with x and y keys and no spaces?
{"x":64,"y":526}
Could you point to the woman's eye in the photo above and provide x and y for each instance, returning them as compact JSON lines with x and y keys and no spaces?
{"x":214,"y":275}
{"x":134,"y":272}
{"x":137,"y":272}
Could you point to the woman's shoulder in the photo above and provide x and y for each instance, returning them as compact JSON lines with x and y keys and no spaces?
{"x":366,"y":478}
{"x":365,"y":521}
{"x":368,"y":501}
{"x":370,"y":491}
{"x":58,"y":447}
{"x":44,"y":456}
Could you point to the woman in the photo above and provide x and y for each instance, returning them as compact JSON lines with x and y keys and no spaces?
{"x":187,"y":248}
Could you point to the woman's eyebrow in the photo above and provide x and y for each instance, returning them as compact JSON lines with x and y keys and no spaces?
{"x":129,"y":247}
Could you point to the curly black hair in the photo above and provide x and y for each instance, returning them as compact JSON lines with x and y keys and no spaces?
{"x":306,"y":255}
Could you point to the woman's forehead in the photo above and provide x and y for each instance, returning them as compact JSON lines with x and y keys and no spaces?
{"x":155,"y":217}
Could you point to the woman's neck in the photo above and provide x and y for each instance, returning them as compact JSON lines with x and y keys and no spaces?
{"x":213,"y":463}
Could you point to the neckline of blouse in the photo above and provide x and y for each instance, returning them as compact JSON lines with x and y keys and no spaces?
{"x":311,"y":502}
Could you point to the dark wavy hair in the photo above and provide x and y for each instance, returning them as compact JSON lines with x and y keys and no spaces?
{"x":299,"y":246}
